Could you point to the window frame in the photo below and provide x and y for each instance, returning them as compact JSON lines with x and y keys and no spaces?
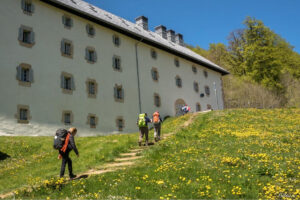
{"x":65,"y":20}
{"x":153,"y":54}
{"x":157,"y":100}
{"x":24,"y":7}
{"x":88,"y":81}
{"x":90,"y":27}
{"x":63,"y":48}
{"x":72,"y":82}
{"x":198,"y":105}
{"x":194,"y":69}
{"x":207,"y":90}
{"x":176,"y":62}
{"x":196,"y":87}
{"x":90,"y":115}
{"x":116,"y":93}
{"x":205,"y":73}
{"x":63,"y":119}
{"x":153,"y":71}
{"x":22,"y":42}
{"x":19,"y":76}
{"x":18,"y":114}
{"x":115,"y":38}
{"x":176,"y":81}
{"x":87,"y":55}
{"x":117,"y":123}
{"x":116,"y":57}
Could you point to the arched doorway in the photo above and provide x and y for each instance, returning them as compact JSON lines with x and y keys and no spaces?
{"x":179,"y":103}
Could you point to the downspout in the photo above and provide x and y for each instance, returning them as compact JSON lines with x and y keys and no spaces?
{"x":138,"y":74}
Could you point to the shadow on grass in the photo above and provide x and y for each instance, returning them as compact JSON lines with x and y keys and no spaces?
{"x":3,"y":156}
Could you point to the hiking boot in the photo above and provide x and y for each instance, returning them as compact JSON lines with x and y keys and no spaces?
{"x":72,"y":176}
{"x":140,"y":143}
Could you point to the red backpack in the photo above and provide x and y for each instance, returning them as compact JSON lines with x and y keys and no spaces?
{"x":156,"y":117}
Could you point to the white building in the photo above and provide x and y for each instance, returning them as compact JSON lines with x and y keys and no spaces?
{"x":67,"y":63}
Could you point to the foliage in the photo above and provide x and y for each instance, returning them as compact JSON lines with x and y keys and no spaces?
{"x":233,"y":154}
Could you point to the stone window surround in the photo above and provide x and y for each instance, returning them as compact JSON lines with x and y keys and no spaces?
{"x":89,"y":120}
{"x":176,"y":78}
{"x":198,"y":105}
{"x":114,"y":37}
{"x":63,"y":41}
{"x":27,"y":28}
{"x":65,"y":91}
{"x":89,"y":48}
{"x":88,"y":28}
{"x":119,"y":87}
{"x":152,"y":70}
{"x":153,"y":54}
{"x":23,"y":83}
{"x":88,"y":89}
{"x":17,"y":115}
{"x":176,"y":62}
{"x":159,"y":100}
{"x":23,"y":2}
{"x":196,"y":86}
{"x":64,"y":17}
{"x":117,"y":123}
{"x":71,"y":117}
{"x":194,"y":69}
{"x":113,"y":63}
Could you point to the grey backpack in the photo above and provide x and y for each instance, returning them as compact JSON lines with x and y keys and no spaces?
{"x":59,"y":138}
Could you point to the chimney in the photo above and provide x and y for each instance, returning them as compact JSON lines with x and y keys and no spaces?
{"x":179,"y":39}
{"x":142,"y":21}
{"x":162,"y":31}
{"x":171,"y":35}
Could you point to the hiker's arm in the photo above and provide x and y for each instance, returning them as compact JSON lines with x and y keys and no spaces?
{"x":72,"y":142}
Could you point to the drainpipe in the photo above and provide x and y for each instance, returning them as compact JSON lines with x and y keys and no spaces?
{"x":138,"y":74}
{"x":216,"y":94}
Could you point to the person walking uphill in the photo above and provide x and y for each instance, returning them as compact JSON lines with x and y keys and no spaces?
{"x":68,"y":146}
{"x":157,"y":125}
{"x":142,"y":122}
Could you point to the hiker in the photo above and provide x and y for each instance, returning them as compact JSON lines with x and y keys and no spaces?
{"x":185,"y":109}
{"x":157,"y":125}
{"x":68,"y":146}
{"x":142,"y":123}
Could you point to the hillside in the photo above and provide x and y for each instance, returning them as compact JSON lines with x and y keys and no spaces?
{"x":228,"y":154}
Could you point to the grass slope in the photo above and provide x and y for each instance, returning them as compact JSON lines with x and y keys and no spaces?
{"x":225,"y":154}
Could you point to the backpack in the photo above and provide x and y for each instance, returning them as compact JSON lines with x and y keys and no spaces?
{"x":59,"y":138}
{"x":142,"y":120}
{"x":156,"y":119}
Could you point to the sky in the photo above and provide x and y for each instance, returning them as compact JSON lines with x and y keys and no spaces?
{"x":211,"y":21}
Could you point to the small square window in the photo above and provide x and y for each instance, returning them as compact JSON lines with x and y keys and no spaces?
{"x":196,"y":87}
{"x":27,"y":7}
{"x":90,"y":30}
{"x":25,"y":74}
{"x":176,"y":62}
{"x":26,"y":36}
{"x":153,"y":54}
{"x":207,"y":90}
{"x":67,"y":83}
{"x":120,"y":123}
{"x":156,"y":100}
{"x":154,"y":74}
{"x":90,"y":55}
{"x":67,"y":48}
{"x":67,"y":118}
{"x":198,"y":107}
{"x":117,"y":63}
{"x":205,"y":73}
{"x":178,"y":81}
{"x":23,"y":114}
{"x":116,"y":40}
{"x":119,"y":93}
{"x":92,"y":88}
{"x":67,"y":21}
{"x":93,"y":121}
{"x":194,"y":69}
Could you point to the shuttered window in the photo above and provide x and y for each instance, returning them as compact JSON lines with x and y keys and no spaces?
{"x":154,"y":74}
{"x":26,"y":36}
{"x":90,"y":30}
{"x":67,"y":83}
{"x":90,"y":55}
{"x":119,"y":93}
{"x":178,"y":81}
{"x":116,"y":63}
{"x":157,"y":100}
{"x":196,"y":87}
{"x":198,"y":107}
{"x":67,"y":21}
{"x":66,"y":48}
{"x":207,"y":90}
{"x":27,"y":6}
{"x":23,"y":114}
{"x":116,"y":40}
{"x":24,"y":74}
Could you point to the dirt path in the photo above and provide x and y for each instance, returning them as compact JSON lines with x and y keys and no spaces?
{"x":124,"y":160}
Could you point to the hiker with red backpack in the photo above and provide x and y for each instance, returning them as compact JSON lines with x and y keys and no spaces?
{"x":157,"y":125}
{"x":65,"y":143}
{"x":142,"y":123}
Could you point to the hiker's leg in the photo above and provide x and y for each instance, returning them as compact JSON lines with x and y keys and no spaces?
{"x":146,"y":135}
{"x":140,"y":137}
{"x":63,"y":165}
{"x":158,"y":131}
{"x":69,"y":164}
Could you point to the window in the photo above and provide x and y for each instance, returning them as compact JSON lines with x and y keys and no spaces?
{"x":67,"y":117}
{"x":116,"y":40}
{"x":176,"y":62}
{"x":120,"y":123}
{"x":67,"y":48}
{"x":208,"y":107}
{"x":116,"y":63}
{"x":27,"y":7}
{"x":91,"y":87}
{"x":198,"y":107}
{"x":119,"y":93}
{"x":26,"y":36}
{"x":207,"y":90}
{"x":90,"y":55}
{"x":153,"y":54}
{"x":205,"y":73}
{"x":154,"y":74}
{"x":67,"y":83}
{"x":178,"y":81}
{"x":92,"y":120}
{"x":194,"y":69}
{"x":67,"y":21}
{"x":90,"y":30}
{"x":23,"y":114}
{"x":157,"y":100}
{"x":24,"y":74}
{"x":196,"y":87}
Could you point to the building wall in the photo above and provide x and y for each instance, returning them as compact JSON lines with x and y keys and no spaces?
{"x":45,"y":98}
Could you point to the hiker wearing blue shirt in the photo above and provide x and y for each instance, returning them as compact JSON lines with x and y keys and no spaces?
{"x":142,"y":123}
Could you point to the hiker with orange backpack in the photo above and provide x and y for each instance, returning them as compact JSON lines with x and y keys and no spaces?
{"x":142,"y":123}
{"x":157,"y":125}
{"x":65,"y":143}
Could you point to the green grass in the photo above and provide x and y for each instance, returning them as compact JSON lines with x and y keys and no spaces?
{"x":230,"y":154}
{"x":32,"y":159}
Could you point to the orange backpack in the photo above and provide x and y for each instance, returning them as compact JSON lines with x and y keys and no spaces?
{"x":156,"y":117}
